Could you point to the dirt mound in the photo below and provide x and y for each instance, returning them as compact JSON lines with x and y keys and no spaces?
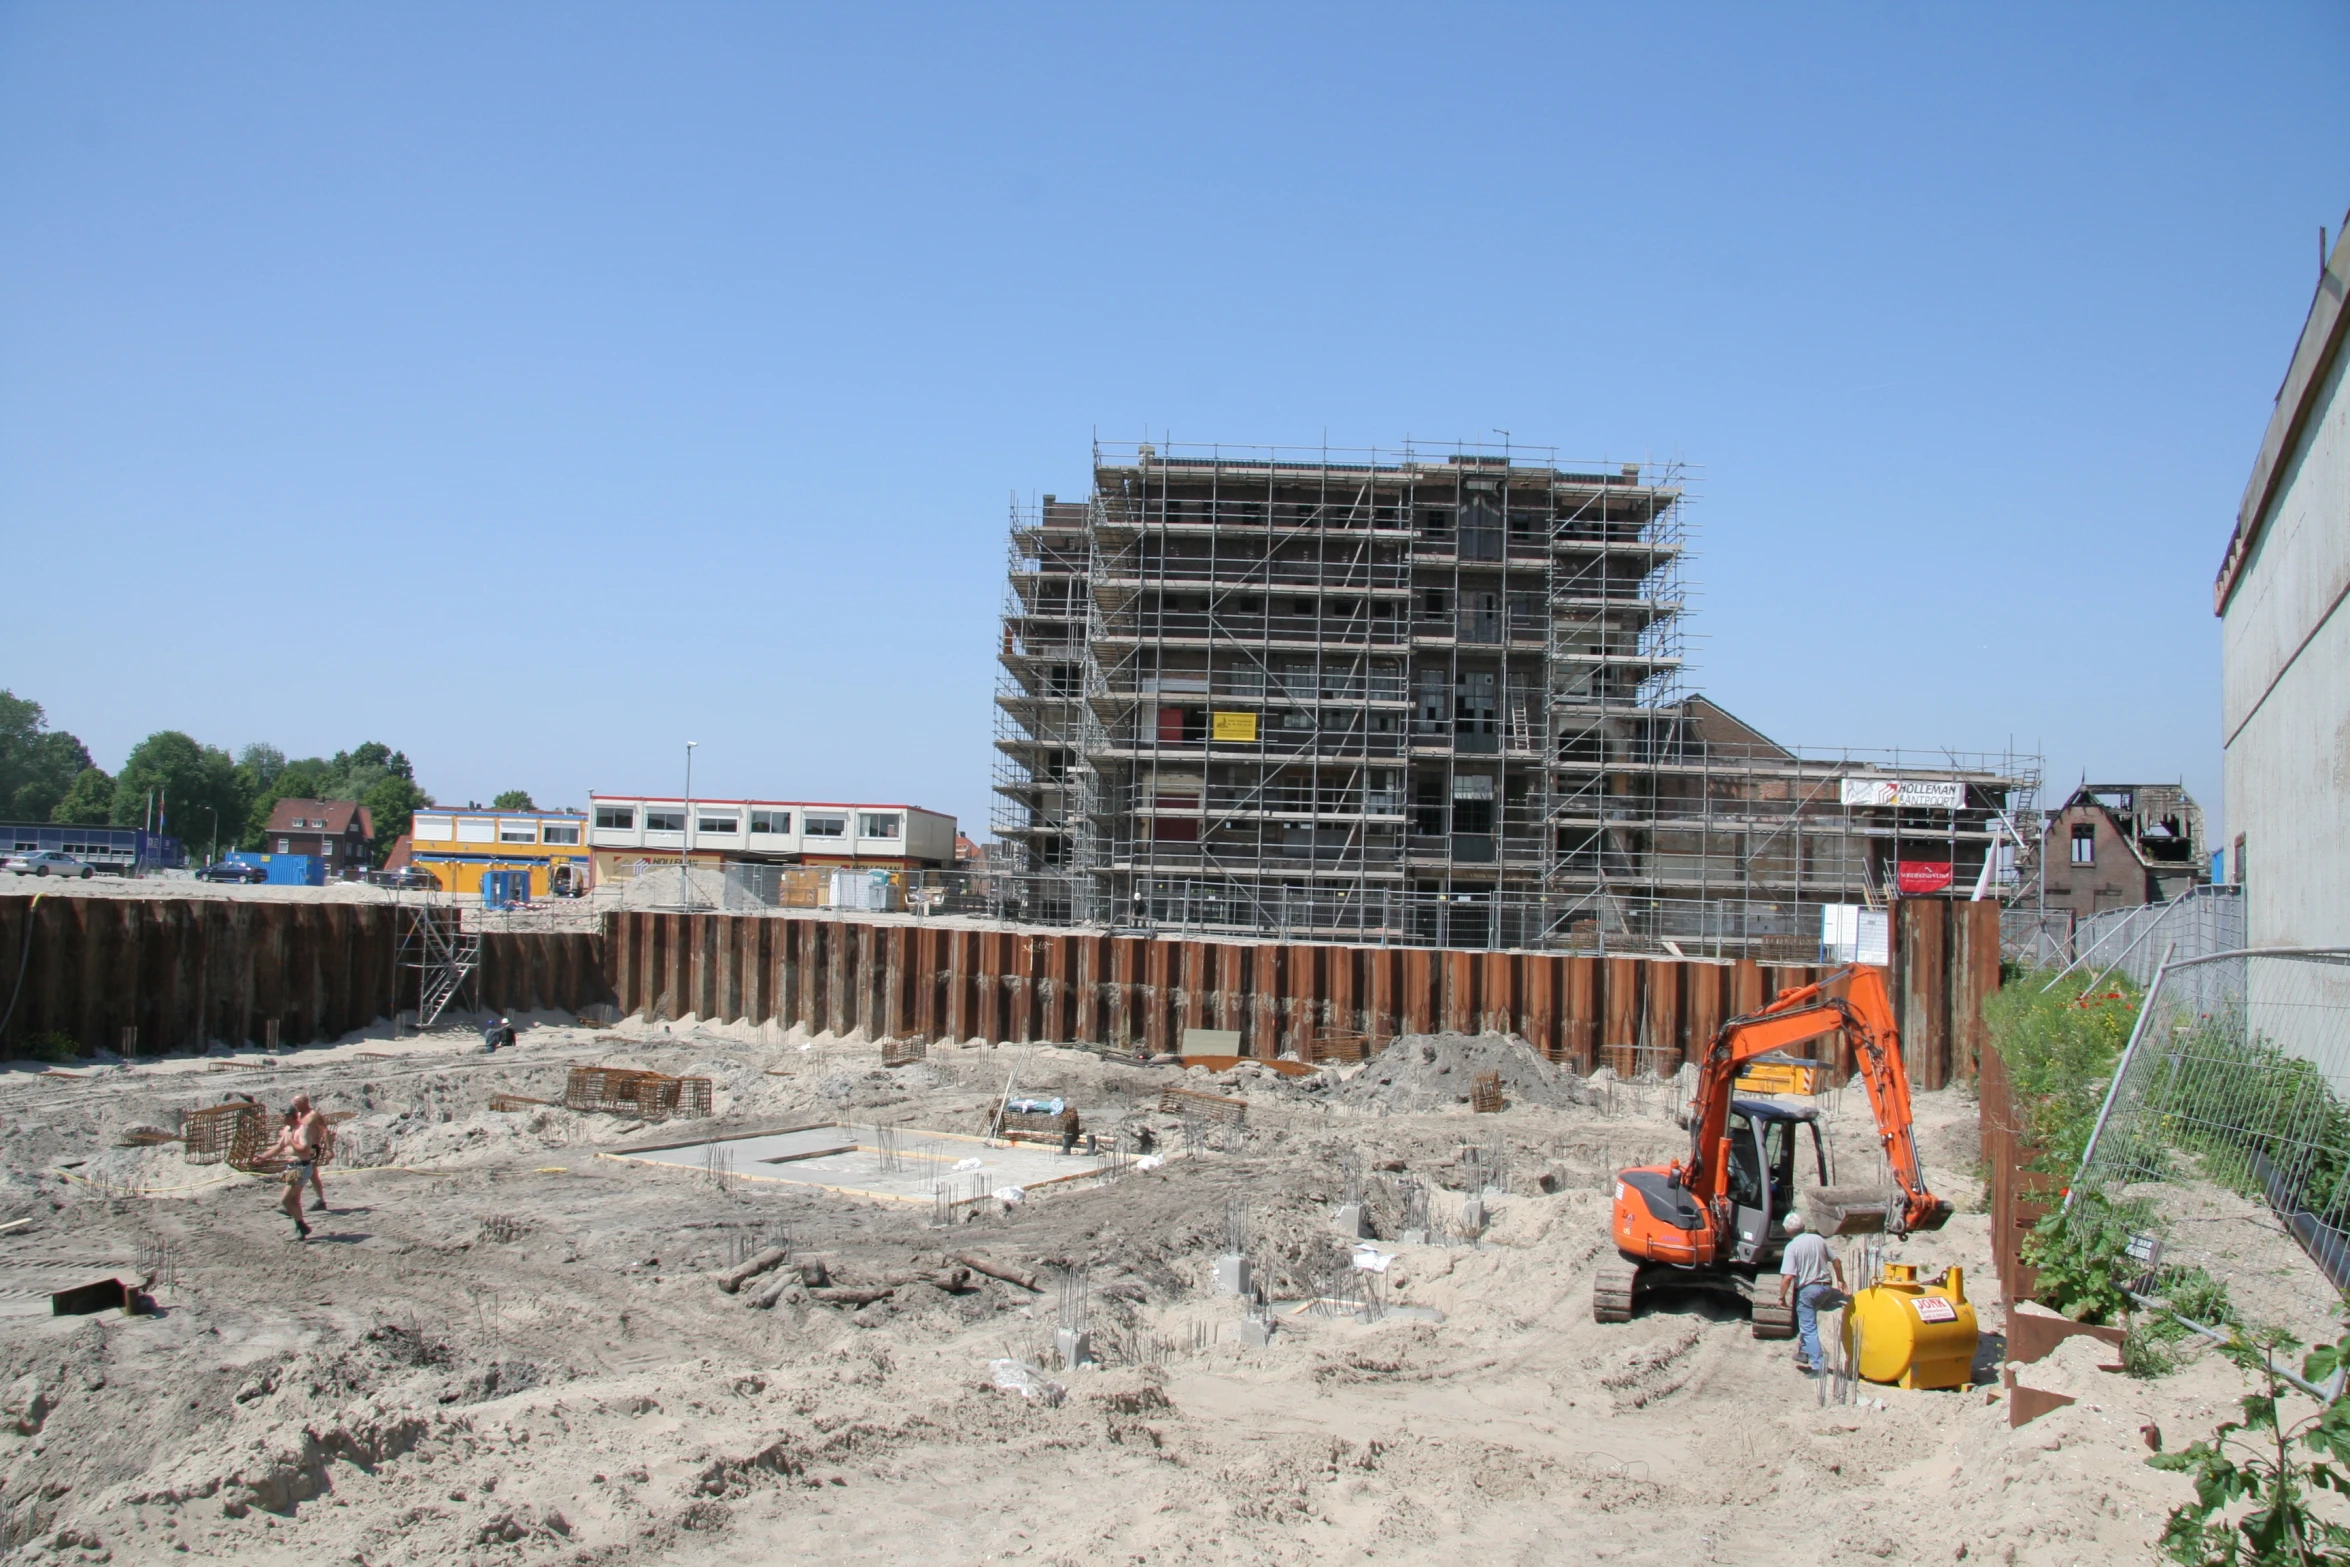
{"x":1431,"y":1071}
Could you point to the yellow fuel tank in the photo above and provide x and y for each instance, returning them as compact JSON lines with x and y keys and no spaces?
{"x":1912,"y":1332}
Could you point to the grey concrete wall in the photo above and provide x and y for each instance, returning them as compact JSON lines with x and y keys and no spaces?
{"x":2285,"y":666}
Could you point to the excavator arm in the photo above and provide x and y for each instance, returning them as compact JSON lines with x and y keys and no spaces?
{"x":1876,"y":1054}
{"x":1863,"y":1015}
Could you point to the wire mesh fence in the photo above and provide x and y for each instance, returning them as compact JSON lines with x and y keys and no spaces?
{"x":2238,"y":1072}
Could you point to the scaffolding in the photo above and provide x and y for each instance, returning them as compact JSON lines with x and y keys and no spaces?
{"x":1426,"y":698}
{"x":440,"y":951}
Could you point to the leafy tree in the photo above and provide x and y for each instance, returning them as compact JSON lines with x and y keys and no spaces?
{"x":513,"y":800}
{"x":193,"y":785}
{"x":390,"y":805}
{"x":37,"y":764}
{"x":2276,"y":1463}
{"x":89,"y":803}
{"x":373,"y":774}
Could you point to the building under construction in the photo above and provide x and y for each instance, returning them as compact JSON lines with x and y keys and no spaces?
{"x":1425,"y":698}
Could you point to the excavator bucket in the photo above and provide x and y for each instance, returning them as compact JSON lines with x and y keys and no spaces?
{"x":1868,"y":1210}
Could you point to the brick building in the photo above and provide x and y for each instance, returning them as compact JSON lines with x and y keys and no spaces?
{"x":2114,"y":846}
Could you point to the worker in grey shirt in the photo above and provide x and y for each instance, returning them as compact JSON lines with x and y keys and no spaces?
{"x":1810,"y":1272}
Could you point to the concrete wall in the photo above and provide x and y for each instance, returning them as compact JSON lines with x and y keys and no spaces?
{"x":2286,"y":677}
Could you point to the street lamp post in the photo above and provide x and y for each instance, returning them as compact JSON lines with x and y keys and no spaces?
{"x":685,"y":858}
{"x":215,"y":810}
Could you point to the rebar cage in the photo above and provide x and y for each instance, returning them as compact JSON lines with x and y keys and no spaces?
{"x":649,"y":1096}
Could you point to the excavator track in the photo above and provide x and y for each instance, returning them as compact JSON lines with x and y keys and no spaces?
{"x":1611,"y":1292}
{"x":1771,"y":1320}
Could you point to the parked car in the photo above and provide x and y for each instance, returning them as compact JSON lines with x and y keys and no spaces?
{"x":49,"y":862}
{"x":407,"y":876}
{"x":232,"y":870}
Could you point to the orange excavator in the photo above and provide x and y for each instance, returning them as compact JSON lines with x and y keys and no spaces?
{"x":1716,"y":1220}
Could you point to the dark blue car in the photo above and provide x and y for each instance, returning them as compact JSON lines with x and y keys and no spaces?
{"x":232,"y":870}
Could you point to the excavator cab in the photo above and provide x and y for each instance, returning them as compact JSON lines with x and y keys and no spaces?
{"x":1762,"y":1174}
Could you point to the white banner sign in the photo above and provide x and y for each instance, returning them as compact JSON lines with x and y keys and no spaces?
{"x":1917,"y":793}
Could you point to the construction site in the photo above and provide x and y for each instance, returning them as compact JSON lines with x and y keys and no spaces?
{"x":1429,"y":698}
{"x":843,"y":1237}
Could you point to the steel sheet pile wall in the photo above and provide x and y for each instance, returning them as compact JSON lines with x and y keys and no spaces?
{"x":2019,"y":1195}
{"x":912,"y":981}
{"x":535,"y":971}
{"x":187,"y":972}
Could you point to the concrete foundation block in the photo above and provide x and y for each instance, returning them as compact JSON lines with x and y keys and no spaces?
{"x":1351,"y":1222}
{"x":1233,"y":1276}
{"x":1256,"y":1332}
{"x":1076,"y":1347}
{"x":1473,"y":1216}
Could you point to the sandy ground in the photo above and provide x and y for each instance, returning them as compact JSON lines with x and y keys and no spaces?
{"x":502,"y":1345}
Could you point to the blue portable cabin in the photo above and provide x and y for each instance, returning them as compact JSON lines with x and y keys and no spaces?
{"x":505,"y":889}
{"x":285,"y":870}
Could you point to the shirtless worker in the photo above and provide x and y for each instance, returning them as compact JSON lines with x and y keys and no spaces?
{"x":302,"y":1142}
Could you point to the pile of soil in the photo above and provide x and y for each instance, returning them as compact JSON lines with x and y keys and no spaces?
{"x":1421,"y":1072}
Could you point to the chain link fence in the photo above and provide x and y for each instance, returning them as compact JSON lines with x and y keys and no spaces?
{"x":2238,"y":1072}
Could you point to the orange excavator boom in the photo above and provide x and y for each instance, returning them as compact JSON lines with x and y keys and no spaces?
{"x":1863,"y":1016}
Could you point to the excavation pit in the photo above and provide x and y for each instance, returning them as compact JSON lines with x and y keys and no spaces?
{"x":890,"y":1164}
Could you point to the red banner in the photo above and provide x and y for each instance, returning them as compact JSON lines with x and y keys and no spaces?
{"x":1915,"y":878}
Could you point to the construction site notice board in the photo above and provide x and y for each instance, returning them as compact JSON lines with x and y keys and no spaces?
{"x":1235,"y":726}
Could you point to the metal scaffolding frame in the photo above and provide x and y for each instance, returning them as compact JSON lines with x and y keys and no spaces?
{"x":1428,"y":698}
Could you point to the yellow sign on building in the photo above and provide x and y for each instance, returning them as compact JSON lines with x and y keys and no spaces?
{"x":1235,"y":726}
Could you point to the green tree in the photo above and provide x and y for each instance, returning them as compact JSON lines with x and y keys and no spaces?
{"x":390,"y":805}
{"x":194,"y":786}
{"x":37,"y":764}
{"x":513,"y":800}
{"x":89,"y":803}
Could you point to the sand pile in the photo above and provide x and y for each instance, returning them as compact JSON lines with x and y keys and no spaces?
{"x":1432,"y":1071}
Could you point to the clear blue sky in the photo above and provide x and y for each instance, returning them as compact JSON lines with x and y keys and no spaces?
{"x":538,"y":387}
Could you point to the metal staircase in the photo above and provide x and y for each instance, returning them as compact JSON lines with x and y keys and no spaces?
{"x":443,"y":953}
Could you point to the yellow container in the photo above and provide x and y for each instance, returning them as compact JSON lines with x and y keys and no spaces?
{"x":1912,"y":1332}
{"x":1779,"y":1077}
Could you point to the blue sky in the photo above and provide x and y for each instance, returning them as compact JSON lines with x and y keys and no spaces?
{"x":536,"y":388}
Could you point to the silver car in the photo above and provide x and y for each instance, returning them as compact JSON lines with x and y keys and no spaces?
{"x":49,"y":862}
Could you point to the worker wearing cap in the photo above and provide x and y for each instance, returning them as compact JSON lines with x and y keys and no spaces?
{"x":1811,"y":1273}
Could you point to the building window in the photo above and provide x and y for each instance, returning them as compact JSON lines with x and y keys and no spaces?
{"x":518,"y":832}
{"x":718,"y":824}
{"x":870,"y":826}
{"x":553,"y":833}
{"x":777,"y":822}
{"x":621,"y":817}
{"x":2084,"y":843}
{"x":825,"y":827}
{"x":281,"y":847}
{"x":664,"y":821}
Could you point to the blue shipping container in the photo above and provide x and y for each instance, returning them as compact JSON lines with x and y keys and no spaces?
{"x":285,"y":870}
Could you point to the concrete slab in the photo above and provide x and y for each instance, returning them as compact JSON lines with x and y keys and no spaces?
{"x":845,"y":1161}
